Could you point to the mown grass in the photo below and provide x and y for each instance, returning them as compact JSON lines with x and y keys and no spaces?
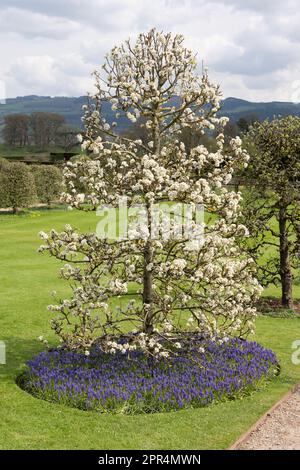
{"x":26,"y":280}
{"x":29,"y":150}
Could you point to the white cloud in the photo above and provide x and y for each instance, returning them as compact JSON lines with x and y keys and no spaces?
{"x":260,"y":53}
{"x":44,"y":75}
{"x":25,"y":23}
{"x":258,"y":5}
{"x":50,"y":47}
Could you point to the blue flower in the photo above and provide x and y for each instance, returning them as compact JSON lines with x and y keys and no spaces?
{"x":141,"y":384}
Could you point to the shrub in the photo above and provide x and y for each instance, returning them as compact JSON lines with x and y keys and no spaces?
{"x":205,"y":371}
{"x":17,"y":186}
{"x":3,"y":195}
{"x":48,"y":182}
{"x":3,"y":164}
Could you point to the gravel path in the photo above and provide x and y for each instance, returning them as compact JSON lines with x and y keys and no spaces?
{"x":280,"y":429}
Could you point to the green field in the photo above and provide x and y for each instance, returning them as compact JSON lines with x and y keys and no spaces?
{"x":32,"y":153}
{"x":26,"y":280}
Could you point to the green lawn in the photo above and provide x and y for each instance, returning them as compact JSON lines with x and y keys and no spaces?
{"x":29,"y":150}
{"x":275,"y":291}
{"x":26,"y":280}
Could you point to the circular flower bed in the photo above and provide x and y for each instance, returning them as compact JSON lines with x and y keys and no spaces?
{"x":118,"y":383}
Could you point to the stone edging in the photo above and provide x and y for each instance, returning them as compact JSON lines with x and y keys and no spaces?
{"x":263,"y":418}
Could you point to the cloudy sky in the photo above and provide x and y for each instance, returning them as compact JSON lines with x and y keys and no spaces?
{"x":251,"y":47}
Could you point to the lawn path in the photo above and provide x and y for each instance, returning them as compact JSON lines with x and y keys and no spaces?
{"x":281,"y":428}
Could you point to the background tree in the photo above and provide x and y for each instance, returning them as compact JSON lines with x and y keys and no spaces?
{"x":137,"y":130}
{"x":45,"y":128}
{"x":230,"y":130}
{"x":193,"y":138}
{"x":66,"y":137}
{"x":243,"y":124}
{"x":161,"y":280}
{"x":18,"y":186}
{"x":271,"y":204}
{"x":16,"y":130}
{"x":48,"y":182}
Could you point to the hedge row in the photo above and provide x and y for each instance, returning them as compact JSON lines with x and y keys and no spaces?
{"x":22,"y":185}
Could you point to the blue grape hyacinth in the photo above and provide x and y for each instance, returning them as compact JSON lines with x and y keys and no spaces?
{"x":205,"y":372}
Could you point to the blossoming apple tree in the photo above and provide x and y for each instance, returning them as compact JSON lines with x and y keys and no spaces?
{"x":149,"y":290}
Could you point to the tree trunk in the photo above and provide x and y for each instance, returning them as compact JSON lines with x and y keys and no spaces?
{"x":148,"y":251}
{"x":147,"y":292}
{"x":285,"y":267}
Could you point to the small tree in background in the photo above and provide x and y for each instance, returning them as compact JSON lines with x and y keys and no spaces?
{"x":244,"y":123}
{"x":66,"y":137}
{"x":164,"y":282}
{"x":16,"y":129}
{"x":271,"y":204}
{"x":48,"y":182}
{"x":18,"y":186}
{"x":45,"y":127}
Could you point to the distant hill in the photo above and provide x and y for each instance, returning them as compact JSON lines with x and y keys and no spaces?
{"x":71,"y":108}
{"x":68,"y":107}
{"x":236,"y":108}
